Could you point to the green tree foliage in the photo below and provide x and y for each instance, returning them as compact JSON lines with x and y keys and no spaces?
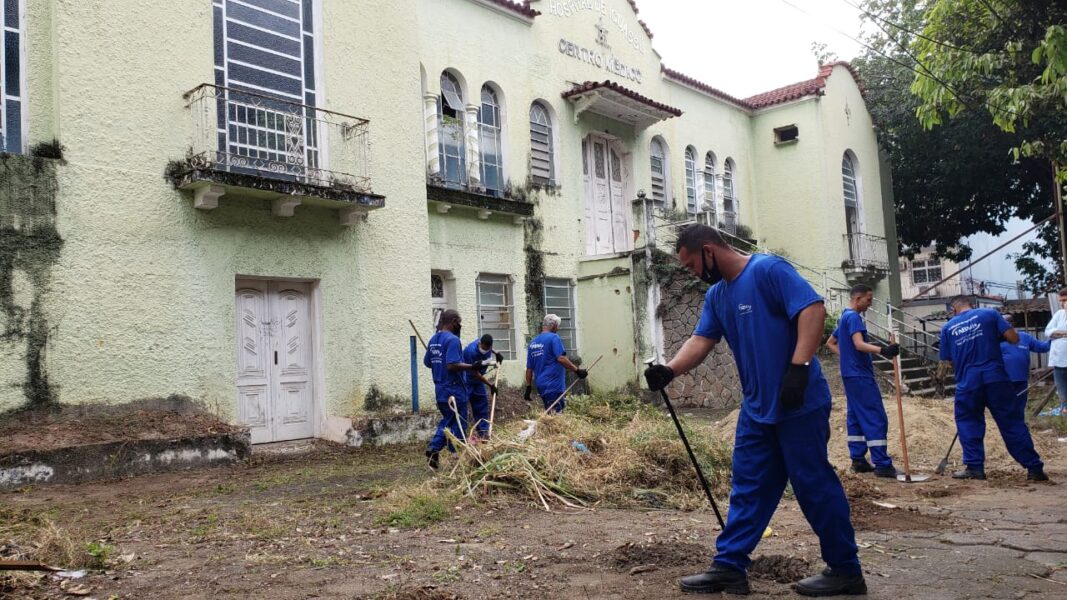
{"x":961,"y":177}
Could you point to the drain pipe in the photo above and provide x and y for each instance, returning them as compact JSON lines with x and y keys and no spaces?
{"x":414,"y":375}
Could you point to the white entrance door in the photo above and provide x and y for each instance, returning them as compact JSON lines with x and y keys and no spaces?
{"x":275,"y":360}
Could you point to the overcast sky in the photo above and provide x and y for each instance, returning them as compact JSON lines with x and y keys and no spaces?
{"x":744,"y":47}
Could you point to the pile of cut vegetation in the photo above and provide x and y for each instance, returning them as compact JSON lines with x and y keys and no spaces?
{"x":611,"y":450}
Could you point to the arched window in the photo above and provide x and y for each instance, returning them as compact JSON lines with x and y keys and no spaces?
{"x":542,"y":154}
{"x":729,"y":197}
{"x":661,"y":182}
{"x":691,"y":179}
{"x":709,"y":204}
{"x":452,"y":147}
{"x":491,"y":146}
{"x":851,"y":190}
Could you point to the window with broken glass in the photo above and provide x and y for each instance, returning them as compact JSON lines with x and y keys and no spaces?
{"x":451,"y":147}
{"x":490,"y":140}
{"x":541,"y":150}
{"x":496,"y":312}
{"x":12,"y":75}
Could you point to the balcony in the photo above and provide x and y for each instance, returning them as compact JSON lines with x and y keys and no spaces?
{"x":251,"y":145}
{"x":868,"y":260}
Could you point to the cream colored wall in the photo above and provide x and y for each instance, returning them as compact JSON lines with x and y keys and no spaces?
{"x":145,"y":287}
{"x":144,"y":290}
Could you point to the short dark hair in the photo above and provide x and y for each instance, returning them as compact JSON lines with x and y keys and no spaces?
{"x":1063,"y":291}
{"x":962,"y":299}
{"x":859,"y":289}
{"x":693,"y":237}
{"x":487,"y":341}
{"x":447,"y":318}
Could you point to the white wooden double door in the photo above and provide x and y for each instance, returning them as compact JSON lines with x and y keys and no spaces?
{"x":275,"y":360}
{"x":606,"y":210}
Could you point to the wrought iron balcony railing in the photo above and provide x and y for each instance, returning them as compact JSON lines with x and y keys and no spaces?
{"x":867,"y":251}
{"x":260,"y":135}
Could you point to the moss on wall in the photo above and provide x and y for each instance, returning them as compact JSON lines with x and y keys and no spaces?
{"x":533,"y":238}
{"x":377,"y":401}
{"x":29,"y":247}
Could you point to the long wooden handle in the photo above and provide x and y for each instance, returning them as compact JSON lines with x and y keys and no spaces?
{"x":419,"y":335}
{"x":900,"y":411}
{"x":574,"y":383}
{"x":492,"y":403}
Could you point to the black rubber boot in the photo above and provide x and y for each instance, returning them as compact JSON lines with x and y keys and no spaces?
{"x":829,"y":583}
{"x":889,"y":471}
{"x":716,"y":579}
{"x":433,"y":460}
{"x":969,"y":473}
{"x":861,"y":466}
{"x":1037,"y":474}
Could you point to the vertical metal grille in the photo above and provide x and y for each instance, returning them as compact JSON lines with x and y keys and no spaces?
{"x":559,"y":300}
{"x":496,"y":312}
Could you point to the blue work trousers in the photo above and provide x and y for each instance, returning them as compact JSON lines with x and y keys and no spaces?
{"x":480,"y":414}
{"x":454,"y":420}
{"x":549,"y":399}
{"x":1009,"y":412}
{"x":765,"y":457}
{"x":866,"y":421}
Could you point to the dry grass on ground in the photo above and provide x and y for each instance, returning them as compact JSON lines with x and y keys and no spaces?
{"x":608,"y":451}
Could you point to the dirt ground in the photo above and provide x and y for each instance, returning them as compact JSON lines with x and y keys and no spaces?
{"x":321,"y":525}
{"x":94,"y":424}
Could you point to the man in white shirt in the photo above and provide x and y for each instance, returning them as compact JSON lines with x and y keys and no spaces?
{"x":1056,"y":331}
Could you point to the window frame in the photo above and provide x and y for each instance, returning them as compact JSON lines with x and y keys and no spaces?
{"x":459,"y":153}
{"x":926,"y":267}
{"x":691,"y":204}
{"x":20,"y":144}
{"x":565,"y":330}
{"x":710,"y":174}
{"x":548,"y":144}
{"x":663,"y":161}
{"x":495,"y":132}
{"x":508,"y":286}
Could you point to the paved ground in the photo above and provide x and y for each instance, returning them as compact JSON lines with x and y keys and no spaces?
{"x":314,"y":526}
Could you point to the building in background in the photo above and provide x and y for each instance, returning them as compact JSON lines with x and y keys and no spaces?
{"x":253,"y":224}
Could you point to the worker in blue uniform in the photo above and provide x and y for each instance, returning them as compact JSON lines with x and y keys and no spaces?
{"x":971,"y":340}
{"x":547,"y":365}
{"x":773,"y":322}
{"x":444,"y":357}
{"x":865,"y":419}
{"x":1017,"y":362}
{"x":480,"y":352}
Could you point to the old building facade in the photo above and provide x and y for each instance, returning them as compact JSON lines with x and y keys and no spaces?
{"x":256,"y":196}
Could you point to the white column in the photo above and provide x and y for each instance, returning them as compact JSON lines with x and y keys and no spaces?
{"x":433,"y":158}
{"x":474,"y":147}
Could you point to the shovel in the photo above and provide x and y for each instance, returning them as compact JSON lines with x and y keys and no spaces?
{"x":906,"y":477}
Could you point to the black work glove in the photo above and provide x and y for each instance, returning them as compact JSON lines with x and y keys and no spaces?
{"x":478,"y":364}
{"x":890,"y":351}
{"x":581,"y":373}
{"x":794,"y":384}
{"x":526,"y":394}
{"x":658,"y":376}
{"x":499,"y":357}
{"x":492,"y":389}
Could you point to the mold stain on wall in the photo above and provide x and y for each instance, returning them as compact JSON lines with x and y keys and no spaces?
{"x":29,"y":247}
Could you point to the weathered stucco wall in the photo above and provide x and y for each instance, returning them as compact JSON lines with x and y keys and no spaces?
{"x":140,"y":300}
